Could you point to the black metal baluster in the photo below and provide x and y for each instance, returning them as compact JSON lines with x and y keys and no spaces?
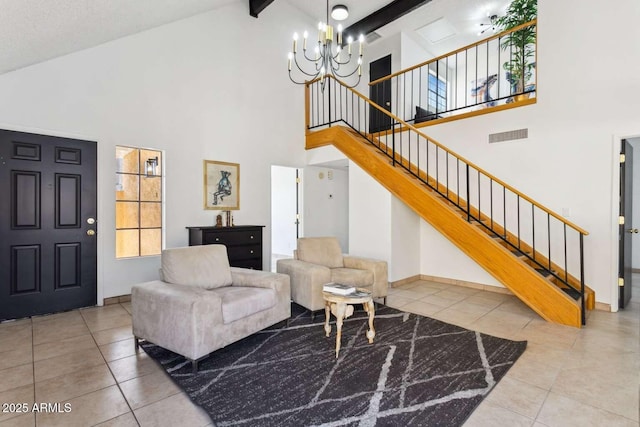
{"x":504,"y":211}
{"x":468,"y":200}
{"x":491,"y":201}
{"x":518,"y":200}
{"x":549,"y":237}
{"x":582,"y":305}
{"x":533,"y":229}
{"x":566,"y":271}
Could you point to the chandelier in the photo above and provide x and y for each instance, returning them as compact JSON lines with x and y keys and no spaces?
{"x":328,"y":58}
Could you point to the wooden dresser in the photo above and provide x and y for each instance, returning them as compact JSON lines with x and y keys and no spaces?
{"x":243,"y":242}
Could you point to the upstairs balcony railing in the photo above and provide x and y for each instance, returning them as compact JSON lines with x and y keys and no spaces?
{"x":497,"y":71}
{"x":553,"y":245}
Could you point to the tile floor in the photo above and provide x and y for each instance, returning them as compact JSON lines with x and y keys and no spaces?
{"x":566,"y":377}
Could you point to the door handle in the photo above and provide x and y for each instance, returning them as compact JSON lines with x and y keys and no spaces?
{"x":388,"y":104}
{"x":91,"y":232}
{"x":632,"y":230}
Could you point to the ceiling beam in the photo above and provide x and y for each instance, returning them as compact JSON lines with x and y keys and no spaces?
{"x":383,"y":16}
{"x":257,"y":6}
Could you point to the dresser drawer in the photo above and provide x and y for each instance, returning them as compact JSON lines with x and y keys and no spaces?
{"x":244,"y":252}
{"x":231,"y":237}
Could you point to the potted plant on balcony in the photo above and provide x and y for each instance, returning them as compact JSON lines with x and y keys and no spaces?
{"x":520,"y":44}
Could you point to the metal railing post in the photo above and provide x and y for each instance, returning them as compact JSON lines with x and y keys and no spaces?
{"x":468,"y":200}
{"x":582,"y":304}
{"x":393,"y":142}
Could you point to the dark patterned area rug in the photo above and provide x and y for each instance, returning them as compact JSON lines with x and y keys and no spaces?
{"x":418,"y":372}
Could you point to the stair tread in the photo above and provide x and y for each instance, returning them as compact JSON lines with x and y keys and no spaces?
{"x":571,"y":292}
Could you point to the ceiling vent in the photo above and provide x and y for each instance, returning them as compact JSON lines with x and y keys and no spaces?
{"x":437,"y":31}
{"x":372,"y":36}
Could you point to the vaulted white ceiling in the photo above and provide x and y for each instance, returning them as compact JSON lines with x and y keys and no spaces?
{"x":32,"y":31}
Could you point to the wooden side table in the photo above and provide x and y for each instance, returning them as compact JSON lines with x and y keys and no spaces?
{"x":341,"y":306}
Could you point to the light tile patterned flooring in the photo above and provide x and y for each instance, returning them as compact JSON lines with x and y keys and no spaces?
{"x":566,"y":377}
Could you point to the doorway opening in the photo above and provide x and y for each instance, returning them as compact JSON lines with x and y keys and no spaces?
{"x":286,"y":212}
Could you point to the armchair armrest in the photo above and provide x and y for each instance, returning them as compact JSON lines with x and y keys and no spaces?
{"x":261,"y":279}
{"x":307,"y":280}
{"x":380,"y":272}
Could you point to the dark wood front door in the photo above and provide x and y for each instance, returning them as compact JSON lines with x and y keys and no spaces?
{"x":48,"y":254}
{"x":380,"y":93}
{"x":627,"y":230}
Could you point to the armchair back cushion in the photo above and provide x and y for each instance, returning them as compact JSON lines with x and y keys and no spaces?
{"x":205,"y":266}
{"x":320,"y":250}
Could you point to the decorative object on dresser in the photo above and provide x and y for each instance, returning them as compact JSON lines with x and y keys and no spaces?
{"x":243,"y":242}
{"x":221,"y":185}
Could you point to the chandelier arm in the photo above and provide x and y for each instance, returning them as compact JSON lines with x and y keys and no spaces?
{"x":302,"y":82}
{"x":295,"y":60}
{"x":349,"y":86}
{"x":335,"y":71}
{"x":310,"y":59}
{"x":345,"y":62}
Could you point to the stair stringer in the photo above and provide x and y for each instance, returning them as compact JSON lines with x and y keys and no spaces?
{"x":540,"y":295}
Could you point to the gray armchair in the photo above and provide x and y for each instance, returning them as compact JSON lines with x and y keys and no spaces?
{"x":201,"y":304}
{"x":319,"y":260}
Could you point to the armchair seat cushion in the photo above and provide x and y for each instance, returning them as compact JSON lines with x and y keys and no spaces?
{"x":352,"y":276}
{"x":239,"y":302}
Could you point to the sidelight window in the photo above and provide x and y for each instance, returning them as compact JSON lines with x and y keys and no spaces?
{"x":138,"y":202}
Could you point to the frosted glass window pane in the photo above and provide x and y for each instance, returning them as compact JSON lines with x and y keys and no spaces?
{"x":127,"y":215}
{"x":127,"y":187}
{"x":127,"y":159}
{"x":127,"y":243}
{"x":151,"y":189}
{"x":150,"y":154}
{"x":150,"y":215}
{"x":151,"y":241}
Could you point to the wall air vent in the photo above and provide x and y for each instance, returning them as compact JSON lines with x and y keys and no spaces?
{"x":509,"y":135}
{"x":371,"y":37}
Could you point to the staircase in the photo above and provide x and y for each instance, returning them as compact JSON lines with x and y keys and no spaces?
{"x":452,"y":194}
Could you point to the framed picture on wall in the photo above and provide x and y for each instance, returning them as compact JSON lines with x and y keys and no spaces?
{"x":221,"y":185}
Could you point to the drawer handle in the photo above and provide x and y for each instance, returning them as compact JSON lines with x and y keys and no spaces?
{"x":251,"y":250}
{"x":252,"y":236}
{"x":217,"y":239}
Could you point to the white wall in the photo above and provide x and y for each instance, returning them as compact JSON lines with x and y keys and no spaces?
{"x":405,"y":241}
{"x":189,"y":88}
{"x":369,"y":216}
{"x":326,"y":207}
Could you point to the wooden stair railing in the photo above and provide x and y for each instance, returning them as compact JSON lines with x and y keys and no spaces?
{"x":514,"y":261}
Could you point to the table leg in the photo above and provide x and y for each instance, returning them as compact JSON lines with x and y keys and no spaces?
{"x":327,"y":314}
{"x":370,"y":308}
{"x":341,"y":308}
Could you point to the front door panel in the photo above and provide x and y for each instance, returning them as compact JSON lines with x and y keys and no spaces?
{"x":47,"y":259}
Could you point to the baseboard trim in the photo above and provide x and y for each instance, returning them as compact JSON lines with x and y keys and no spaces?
{"x":601,"y":306}
{"x":635,"y":270}
{"x":447,"y":281}
{"x":117,"y":300}
{"x":404,"y":281}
